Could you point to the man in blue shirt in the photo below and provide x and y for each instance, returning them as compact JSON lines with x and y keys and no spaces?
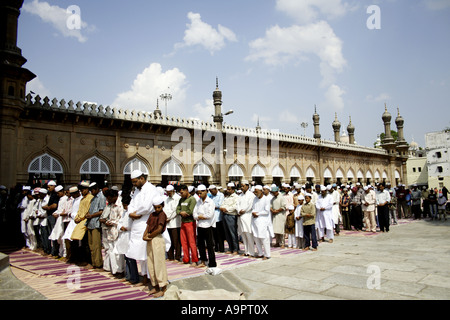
{"x":218,"y":231}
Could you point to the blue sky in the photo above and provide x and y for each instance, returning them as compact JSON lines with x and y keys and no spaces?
{"x":275,"y":60}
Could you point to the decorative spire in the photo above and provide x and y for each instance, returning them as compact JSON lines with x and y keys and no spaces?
{"x":217,"y":83}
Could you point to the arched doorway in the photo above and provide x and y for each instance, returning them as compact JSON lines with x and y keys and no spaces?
{"x":43,"y":169}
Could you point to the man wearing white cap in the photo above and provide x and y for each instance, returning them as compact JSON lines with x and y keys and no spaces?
{"x":58,"y":231}
{"x":324,"y":207}
{"x":204,"y":214}
{"x":261,"y":223}
{"x":368,"y":207}
{"x":244,"y":209}
{"x":22,"y":207}
{"x":173,"y":223}
{"x":41,"y":215}
{"x":71,"y":211}
{"x":218,"y":230}
{"x":140,"y":208}
{"x":278,"y":210}
{"x":27,"y":217}
{"x":229,"y":212}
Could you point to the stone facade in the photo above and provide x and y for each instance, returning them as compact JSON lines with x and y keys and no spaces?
{"x":53,"y":139}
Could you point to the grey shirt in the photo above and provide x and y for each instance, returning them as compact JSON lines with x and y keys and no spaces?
{"x":98,"y":203}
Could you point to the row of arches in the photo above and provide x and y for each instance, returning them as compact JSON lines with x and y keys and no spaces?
{"x":95,"y":169}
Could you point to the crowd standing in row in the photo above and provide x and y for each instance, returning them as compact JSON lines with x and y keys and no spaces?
{"x":132,"y":234}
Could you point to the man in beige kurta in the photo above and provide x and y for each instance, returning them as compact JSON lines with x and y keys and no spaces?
{"x":278,"y":210}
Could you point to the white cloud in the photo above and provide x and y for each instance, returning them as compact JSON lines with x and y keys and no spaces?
{"x":199,"y":33}
{"x":307,"y":11}
{"x":38,"y":88}
{"x":58,"y":17}
{"x":334,"y":97}
{"x":287,"y":116}
{"x":149,"y":85}
{"x":437,"y":4}
{"x":297,"y":43}
{"x":382,"y":97}
{"x":204,"y":111}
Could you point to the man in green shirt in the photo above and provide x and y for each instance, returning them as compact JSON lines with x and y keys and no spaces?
{"x":188,"y":230}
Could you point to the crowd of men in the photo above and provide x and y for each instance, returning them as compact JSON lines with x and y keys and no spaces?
{"x":133,"y":233}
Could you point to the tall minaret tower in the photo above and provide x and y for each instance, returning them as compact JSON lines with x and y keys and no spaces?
{"x":388,"y":142}
{"x":337,"y":129}
{"x":402,"y":145}
{"x":316,"y":121}
{"x":13,"y":80}
{"x":217,"y":96}
{"x":351,"y":132}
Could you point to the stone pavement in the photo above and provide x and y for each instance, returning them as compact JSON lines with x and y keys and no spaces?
{"x":411,"y":262}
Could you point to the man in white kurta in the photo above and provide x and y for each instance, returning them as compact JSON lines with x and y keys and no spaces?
{"x":244,"y":209}
{"x":324,"y":208}
{"x":140,"y":208}
{"x":59,"y":228}
{"x":299,"y":222}
{"x":336,"y":206}
{"x":278,"y":210}
{"x":261,"y":223}
{"x":173,"y":226}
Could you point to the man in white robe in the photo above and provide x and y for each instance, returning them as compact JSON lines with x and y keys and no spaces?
{"x":261,"y":223}
{"x":299,"y":222}
{"x":26,"y":191}
{"x":324,"y":207}
{"x":59,"y":228}
{"x":278,"y":210}
{"x":244,"y":209}
{"x":72,"y":205}
{"x":140,"y":208}
{"x":336,"y":206}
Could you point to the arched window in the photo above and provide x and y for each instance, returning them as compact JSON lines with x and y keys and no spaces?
{"x":95,"y":170}
{"x":45,"y":164}
{"x":201,"y":174}
{"x":45,"y":168}
{"x":171,"y":168}
{"x":258,"y":171}
{"x":135,"y":164}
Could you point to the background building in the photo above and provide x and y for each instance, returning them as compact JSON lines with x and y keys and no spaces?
{"x":438,"y":158}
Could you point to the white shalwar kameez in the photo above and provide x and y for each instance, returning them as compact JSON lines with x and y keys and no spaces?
{"x":32,"y":241}
{"x":262,"y":225}
{"x":325,"y":218}
{"x":245,"y":203}
{"x":72,"y":215}
{"x":142,"y":204}
{"x":336,"y":212}
{"x":58,"y":229}
{"x":298,"y":224}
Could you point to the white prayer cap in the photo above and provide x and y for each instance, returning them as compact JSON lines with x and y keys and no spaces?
{"x":212,"y":187}
{"x":170,"y":188}
{"x":73,"y":190}
{"x":136,"y":174}
{"x":115,"y":188}
{"x":366,"y":188}
{"x":190,"y":189}
{"x":308,"y":195}
{"x":258,"y":187}
{"x":26,"y":188}
{"x":92,"y":184}
{"x":323,"y":188}
{"x":84,"y":184}
{"x":266,"y":187}
{"x":158,"y":200}
{"x":239,"y":191}
{"x":51,"y":183}
{"x":231,"y":184}
{"x":201,"y":187}
{"x":44,"y":191}
{"x":301,"y":197}
{"x":291,"y":207}
{"x":273,"y":185}
{"x":59,"y":188}
{"x":244,"y":182}
{"x":358,"y":184}
{"x":329,"y":187}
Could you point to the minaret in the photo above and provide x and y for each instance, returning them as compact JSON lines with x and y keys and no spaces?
{"x":258,"y":127}
{"x":337,"y":129}
{"x":218,"y":116}
{"x":351,"y":132}
{"x":316,"y":119}
{"x":387,"y":126}
{"x":388,"y":141}
{"x":402,"y":145}
{"x":13,"y":80}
